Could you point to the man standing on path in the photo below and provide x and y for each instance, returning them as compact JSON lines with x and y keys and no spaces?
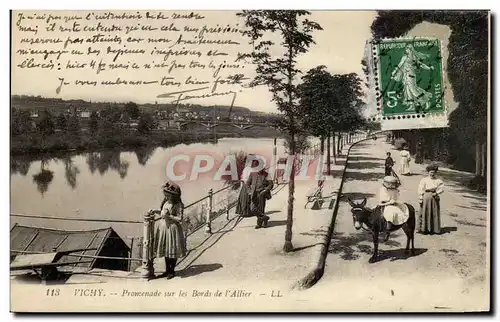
{"x":389,"y":163}
{"x":259,"y":192}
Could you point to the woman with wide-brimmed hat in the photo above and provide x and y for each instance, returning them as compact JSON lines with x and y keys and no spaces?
{"x":170,"y":241}
{"x":429,"y":190}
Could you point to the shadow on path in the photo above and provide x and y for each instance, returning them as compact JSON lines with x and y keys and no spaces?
{"x":354,"y":164}
{"x":275,"y":223}
{"x":298,"y":249}
{"x":349,"y":248}
{"x":447,"y":230}
{"x":198,"y":269}
{"x":364,"y":176}
{"x":356,"y":196}
{"x":468,"y":223}
{"x":354,"y":158}
{"x":398,"y":254}
{"x":316,"y":233}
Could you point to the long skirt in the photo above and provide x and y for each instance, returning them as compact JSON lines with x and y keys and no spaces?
{"x":243,"y":205}
{"x":169,"y":240}
{"x":430,"y":216}
{"x":258,"y":204}
{"x":405,"y":166}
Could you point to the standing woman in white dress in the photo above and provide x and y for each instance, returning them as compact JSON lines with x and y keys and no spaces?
{"x":170,"y":241}
{"x":405,"y":161}
{"x":429,"y":190}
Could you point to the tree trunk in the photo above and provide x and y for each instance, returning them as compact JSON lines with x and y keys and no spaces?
{"x":322,"y":144}
{"x":288,"y":246}
{"x":418,"y":149}
{"x":328,"y":161}
{"x":483,"y":160}
{"x":412,"y":143}
{"x":333,"y":149}
{"x":339,"y":149}
{"x":436,"y":148}
{"x":478,"y":158}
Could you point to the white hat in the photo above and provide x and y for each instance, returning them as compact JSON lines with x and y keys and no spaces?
{"x":390,"y":182}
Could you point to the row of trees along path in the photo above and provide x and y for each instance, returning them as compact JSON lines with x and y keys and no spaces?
{"x":335,"y":98}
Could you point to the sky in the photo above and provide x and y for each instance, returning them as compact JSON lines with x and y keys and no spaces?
{"x":339,"y":46}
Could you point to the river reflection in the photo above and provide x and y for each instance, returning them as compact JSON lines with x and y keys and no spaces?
{"x":109,"y":184}
{"x":107,"y":160}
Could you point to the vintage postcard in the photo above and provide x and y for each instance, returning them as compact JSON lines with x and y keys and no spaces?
{"x":250,"y":161}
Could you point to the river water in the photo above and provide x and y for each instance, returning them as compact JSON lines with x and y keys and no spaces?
{"x":112,"y":185}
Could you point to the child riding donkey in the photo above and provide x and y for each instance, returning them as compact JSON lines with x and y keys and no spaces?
{"x":389,"y":215}
{"x":394,"y":212}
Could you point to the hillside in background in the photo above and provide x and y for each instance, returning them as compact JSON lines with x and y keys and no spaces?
{"x":57,"y":105}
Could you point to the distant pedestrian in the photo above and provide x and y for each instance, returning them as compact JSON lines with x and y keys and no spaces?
{"x":389,"y":163}
{"x":405,"y":161}
{"x":170,"y":241}
{"x":429,"y":190}
{"x":260,"y":191}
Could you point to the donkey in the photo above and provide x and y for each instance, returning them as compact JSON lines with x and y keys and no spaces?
{"x":376,"y":223}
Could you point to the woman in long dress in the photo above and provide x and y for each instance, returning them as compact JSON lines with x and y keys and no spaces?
{"x":413,"y":95}
{"x":405,"y":161}
{"x":429,"y":190}
{"x":243,"y":205}
{"x":170,"y":242}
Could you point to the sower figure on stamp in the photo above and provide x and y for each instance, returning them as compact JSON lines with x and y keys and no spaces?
{"x":259,"y":191}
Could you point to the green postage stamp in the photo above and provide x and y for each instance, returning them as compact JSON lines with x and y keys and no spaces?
{"x":410,"y":76}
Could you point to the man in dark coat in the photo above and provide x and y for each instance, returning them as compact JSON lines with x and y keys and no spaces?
{"x":259,"y":192}
{"x":389,"y":163}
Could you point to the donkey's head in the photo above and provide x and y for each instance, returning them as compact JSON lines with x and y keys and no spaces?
{"x":360,"y":214}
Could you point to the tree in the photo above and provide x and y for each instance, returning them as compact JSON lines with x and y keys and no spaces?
{"x":45,"y":123}
{"x":73,"y":125}
{"x":94,"y":122}
{"x":61,"y":122}
{"x":147,"y":123}
{"x":467,"y":70}
{"x":132,"y":110}
{"x":20,"y":122}
{"x":279,"y":73}
{"x":348,"y":102}
{"x":317,"y":102}
{"x":109,"y":120}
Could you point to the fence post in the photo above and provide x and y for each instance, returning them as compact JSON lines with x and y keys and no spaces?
{"x":208,"y":227}
{"x":275,"y":155}
{"x":228,"y":194}
{"x":147,"y":256}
